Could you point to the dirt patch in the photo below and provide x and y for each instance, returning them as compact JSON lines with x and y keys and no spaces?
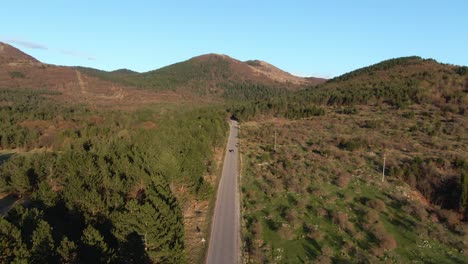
{"x":196,"y":215}
{"x":195,"y":225}
{"x":147,"y":125}
{"x":218,"y":155}
{"x":274,"y":73}
{"x":78,"y":88}
{"x":5,"y":103}
{"x":95,"y":119}
{"x":39,"y":125}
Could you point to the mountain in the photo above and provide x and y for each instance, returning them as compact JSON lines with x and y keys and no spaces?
{"x":10,"y":54}
{"x":19,"y":70}
{"x":206,"y":77}
{"x":214,"y":75}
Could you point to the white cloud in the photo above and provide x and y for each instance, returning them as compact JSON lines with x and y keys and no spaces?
{"x":77,"y":54}
{"x":26,"y":44}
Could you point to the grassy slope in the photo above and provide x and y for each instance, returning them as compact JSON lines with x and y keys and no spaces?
{"x":318,"y":199}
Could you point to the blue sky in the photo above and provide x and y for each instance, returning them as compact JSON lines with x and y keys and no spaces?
{"x":308,"y":38}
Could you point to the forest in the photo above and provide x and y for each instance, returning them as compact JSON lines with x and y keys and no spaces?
{"x":98,"y":186}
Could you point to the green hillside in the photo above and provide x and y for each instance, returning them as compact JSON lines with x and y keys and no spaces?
{"x":211,"y":76}
{"x":397,"y":82}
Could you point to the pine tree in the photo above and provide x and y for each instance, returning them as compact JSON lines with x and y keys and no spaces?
{"x":67,"y":251}
{"x":19,"y":181}
{"x":158,"y":221}
{"x":45,"y":194}
{"x":12,"y":248}
{"x":94,"y":248}
{"x":42,"y":249}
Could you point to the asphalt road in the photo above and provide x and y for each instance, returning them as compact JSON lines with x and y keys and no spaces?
{"x":224,"y":244}
{"x":6,"y":203}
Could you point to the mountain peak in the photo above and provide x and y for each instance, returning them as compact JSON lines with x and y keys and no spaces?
{"x":212,"y":56}
{"x":10,"y":54}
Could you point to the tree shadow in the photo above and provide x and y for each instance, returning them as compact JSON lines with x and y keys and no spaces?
{"x":5,"y":156}
{"x":312,"y":248}
{"x":7,"y":202}
{"x":133,"y":250}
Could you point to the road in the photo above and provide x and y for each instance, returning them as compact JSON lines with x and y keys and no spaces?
{"x":6,"y":203}
{"x":224,"y":244}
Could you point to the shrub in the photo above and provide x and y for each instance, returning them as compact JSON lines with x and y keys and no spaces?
{"x":386,"y":241}
{"x":462,"y":70}
{"x":341,"y":219}
{"x":451,"y":218}
{"x":378,"y":205}
{"x":352,"y":144}
{"x":272,"y":224}
{"x":420,"y":212}
{"x":17,"y":74}
{"x":372,"y":217}
{"x":343,"y":179}
{"x":286,"y":232}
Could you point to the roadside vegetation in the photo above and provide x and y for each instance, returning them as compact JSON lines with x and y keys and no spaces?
{"x":106,"y":186}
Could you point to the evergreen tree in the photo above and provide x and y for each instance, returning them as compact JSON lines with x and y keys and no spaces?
{"x":94,"y":249}
{"x":67,"y":251}
{"x":12,"y":249}
{"x":45,"y":194}
{"x":42,"y":249}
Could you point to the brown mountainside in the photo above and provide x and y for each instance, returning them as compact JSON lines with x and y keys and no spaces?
{"x":19,"y":70}
{"x":206,"y":77}
{"x":281,"y":76}
{"x":10,"y":54}
{"x":213,"y":76}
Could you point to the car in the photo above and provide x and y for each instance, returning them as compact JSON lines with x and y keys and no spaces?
{"x":231,"y":150}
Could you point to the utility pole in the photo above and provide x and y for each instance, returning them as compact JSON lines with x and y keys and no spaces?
{"x":275,"y":141}
{"x":383,"y":168}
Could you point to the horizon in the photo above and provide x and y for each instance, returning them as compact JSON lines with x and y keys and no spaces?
{"x":302,"y":39}
{"x":219,"y":54}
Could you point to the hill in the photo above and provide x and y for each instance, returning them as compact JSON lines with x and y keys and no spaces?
{"x":211,"y":77}
{"x":9,"y":54}
{"x":19,"y":70}
{"x":398,"y":82}
{"x":214,"y":75}
{"x":425,"y":86}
